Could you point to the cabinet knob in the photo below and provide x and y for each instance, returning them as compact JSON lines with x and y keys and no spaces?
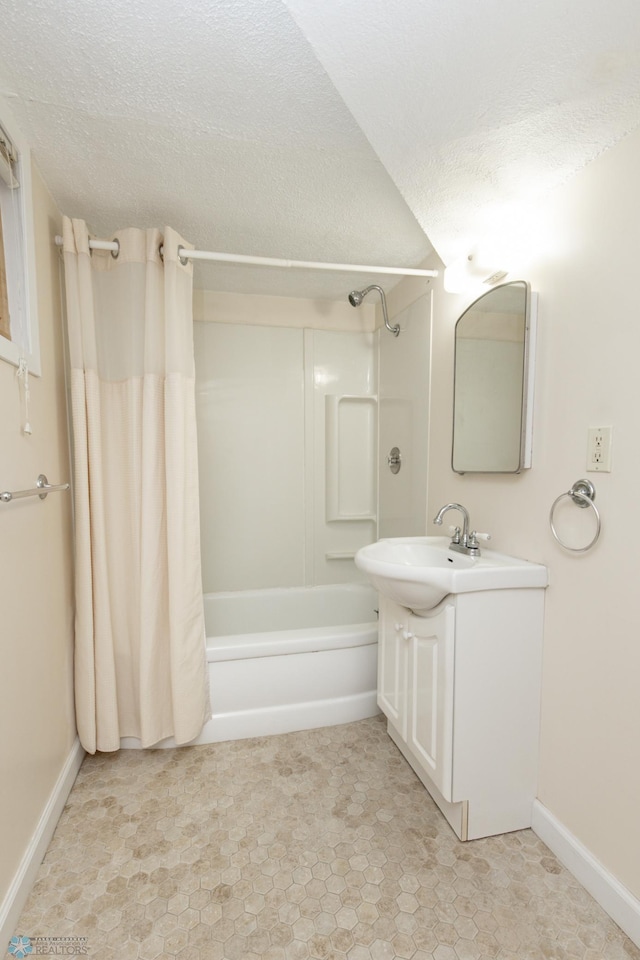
{"x":407,"y":634}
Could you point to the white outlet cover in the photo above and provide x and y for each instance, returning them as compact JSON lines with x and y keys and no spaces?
{"x":599,"y":440}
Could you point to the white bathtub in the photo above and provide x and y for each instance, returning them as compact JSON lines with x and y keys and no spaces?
{"x":288,"y":659}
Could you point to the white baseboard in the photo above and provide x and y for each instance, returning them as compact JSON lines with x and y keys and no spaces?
{"x":612,"y":896}
{"x":17,"y":894}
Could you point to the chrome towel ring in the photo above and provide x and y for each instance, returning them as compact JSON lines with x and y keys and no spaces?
{"x":583,"y":494}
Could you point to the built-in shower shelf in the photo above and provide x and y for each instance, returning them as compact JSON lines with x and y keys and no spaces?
{"x":350,"y":432}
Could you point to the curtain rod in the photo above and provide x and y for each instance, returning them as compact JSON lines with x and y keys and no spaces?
{"x":184,"y":254}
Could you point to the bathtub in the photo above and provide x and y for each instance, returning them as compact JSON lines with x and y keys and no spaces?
{"x":288,"y":659}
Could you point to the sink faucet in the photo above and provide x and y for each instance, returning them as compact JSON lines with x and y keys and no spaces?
{"x":462,"y":541}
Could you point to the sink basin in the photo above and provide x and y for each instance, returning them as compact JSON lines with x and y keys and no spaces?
{"x":419,"y":572}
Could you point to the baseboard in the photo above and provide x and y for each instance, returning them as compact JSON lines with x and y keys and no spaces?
{"x":17,"y":894}
{"x":612,"y":896}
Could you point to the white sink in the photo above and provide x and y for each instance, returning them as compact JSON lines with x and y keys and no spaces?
{"x":419,"y":572}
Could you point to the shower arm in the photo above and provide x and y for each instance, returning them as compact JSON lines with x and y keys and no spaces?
{"x":395,"y":330}
{"x":357,"y":296}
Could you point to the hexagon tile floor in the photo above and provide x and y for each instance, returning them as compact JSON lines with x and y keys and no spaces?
{"x":321,"y":844}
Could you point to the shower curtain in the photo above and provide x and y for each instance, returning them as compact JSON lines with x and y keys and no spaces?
{"x":139,"y":640}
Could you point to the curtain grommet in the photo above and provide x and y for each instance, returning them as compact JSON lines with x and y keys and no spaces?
{"x":116,"y":253}
{"x":183,"y":260}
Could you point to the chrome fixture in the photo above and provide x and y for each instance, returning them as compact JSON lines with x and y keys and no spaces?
{"x":41,"y":489}
{"x":394,"y":460}
{"x":583,"y":493}
{"x":462,"y":541}
{"x":357,"y":296}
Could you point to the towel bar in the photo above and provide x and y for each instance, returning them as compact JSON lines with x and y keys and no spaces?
{"x":41,"y":489}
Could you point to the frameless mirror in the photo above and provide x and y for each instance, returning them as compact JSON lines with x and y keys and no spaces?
{"x":493,"y":386}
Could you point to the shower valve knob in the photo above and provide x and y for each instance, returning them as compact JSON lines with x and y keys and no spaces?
{"x":394,"y":460}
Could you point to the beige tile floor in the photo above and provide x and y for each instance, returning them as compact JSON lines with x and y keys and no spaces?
{"x":321,"y":844}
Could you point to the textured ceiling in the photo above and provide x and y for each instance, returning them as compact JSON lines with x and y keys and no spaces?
{"x":213,"y":117}
{"x":347,"y":130}
{"x":478,"y":109}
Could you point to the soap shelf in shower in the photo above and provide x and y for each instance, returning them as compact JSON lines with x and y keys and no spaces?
{"x":350,"y":436}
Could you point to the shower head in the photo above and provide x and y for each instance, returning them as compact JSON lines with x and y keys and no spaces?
{"x":357,"y":296}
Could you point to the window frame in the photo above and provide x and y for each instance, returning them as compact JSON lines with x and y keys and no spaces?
{"x":14,"y":351}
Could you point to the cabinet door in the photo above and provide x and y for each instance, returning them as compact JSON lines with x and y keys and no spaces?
{"x":430,"y":715}
{"x":392,"y":664}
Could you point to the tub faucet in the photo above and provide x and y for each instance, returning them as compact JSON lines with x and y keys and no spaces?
{"x":462,"y":541}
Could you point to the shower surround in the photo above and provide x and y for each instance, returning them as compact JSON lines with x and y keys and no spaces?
{"x":287,"y":450}
{"x":287,"y":426}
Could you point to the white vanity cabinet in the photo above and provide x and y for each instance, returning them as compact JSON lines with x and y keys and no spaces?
{"x":415,"y":684}
{"x":460,"y":688}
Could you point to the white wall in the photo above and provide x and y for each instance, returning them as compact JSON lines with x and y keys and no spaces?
{"x":250,"y":408}
{"x":37,"y":726}
{"x":287,"y":439}
{"x":583,"y":263}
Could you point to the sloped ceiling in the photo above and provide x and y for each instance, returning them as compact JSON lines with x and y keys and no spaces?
{"x":340,"y":131}
{"x":478,"y":109}
{"x":214,"y":117}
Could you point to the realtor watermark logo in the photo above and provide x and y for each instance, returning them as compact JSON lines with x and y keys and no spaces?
{"x":21,"y":947}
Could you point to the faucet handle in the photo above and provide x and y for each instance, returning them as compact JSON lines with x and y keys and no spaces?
{"x":454,"y":533}
{"x":474,"y":536}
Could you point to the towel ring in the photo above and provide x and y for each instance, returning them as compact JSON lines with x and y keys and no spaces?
{"x":583,"y":494}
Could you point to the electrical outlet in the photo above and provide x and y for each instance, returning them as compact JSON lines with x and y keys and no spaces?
{"x":599,"y":449}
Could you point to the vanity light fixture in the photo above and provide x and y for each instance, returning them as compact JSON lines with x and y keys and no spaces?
{"x":472,"y":274}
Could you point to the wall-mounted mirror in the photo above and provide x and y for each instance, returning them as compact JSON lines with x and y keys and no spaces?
{"x":493,"y":388}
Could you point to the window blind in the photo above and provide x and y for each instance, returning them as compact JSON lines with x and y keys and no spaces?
{"x":8,"y":161}
{"x":5,"y":320}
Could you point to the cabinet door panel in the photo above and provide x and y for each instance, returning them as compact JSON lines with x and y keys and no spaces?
{"x":430,"y":715}
{"x":392,"y":664}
